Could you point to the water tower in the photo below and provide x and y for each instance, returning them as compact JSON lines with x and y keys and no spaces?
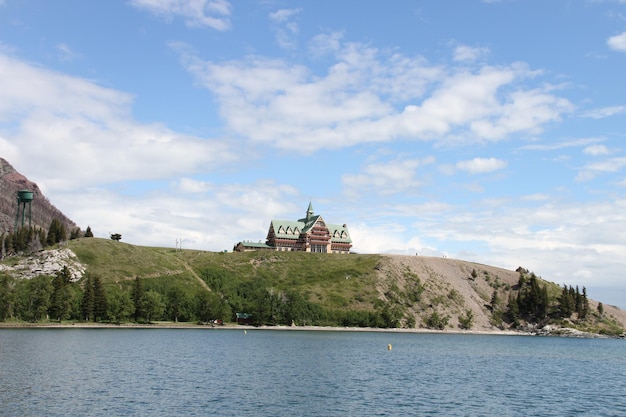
{"x":24,"y":197}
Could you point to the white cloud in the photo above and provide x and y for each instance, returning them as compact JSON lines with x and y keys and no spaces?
{"x":603,"y":112}
{"x":212,"y":13}
{"x":66,"y":53}
{"x":611,"y":165}
{"x":285,"y":28}
{"x":85,"y":133}
{"x":215,"y":217}
{"x":572,"y":143}
{"x":536,"y":197}
{"x":371,"y":96}
{"x":617,"y":42}
{"x":387,"y":178}
{"x":481,"y":165}
{"x":325,"y":44}
{"x":596,"y":150}
{"x":464,"y":53}
{"x":283,"y":15}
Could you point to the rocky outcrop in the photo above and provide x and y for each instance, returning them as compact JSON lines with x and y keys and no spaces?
{"x":47,"y":262}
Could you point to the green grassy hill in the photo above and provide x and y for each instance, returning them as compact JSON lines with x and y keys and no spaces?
{"x":280,"y":288}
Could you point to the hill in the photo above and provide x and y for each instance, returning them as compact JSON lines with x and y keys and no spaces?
{"x":43,"y":211}
{"x":319,"y":289}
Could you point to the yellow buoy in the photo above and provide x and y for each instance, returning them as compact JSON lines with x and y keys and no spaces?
{"x":389,"y":346}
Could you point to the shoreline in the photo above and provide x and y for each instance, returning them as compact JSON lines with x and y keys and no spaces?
{"x":169,"y":325}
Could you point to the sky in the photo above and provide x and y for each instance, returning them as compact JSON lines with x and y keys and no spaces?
{"x":488,"y":131}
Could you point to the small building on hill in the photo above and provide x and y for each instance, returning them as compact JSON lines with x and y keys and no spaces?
{"x":309,"y":234}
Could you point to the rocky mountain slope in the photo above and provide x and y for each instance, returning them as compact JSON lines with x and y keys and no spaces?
{"x":43,"y":211}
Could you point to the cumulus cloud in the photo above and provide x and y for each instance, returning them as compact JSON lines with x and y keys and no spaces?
{"x":43,"y":114}
{"x":596,"y":150}
{"x":285,"y":27}
{"x":592,"y":170}
{"x":387,"y":177}
{"x":368,"y":95}
{"x":481,"y":165}
{"x":617,"y":42}
{"x":204,"y":216}
{"x":464,"y":53}
{"x":212,"y":13}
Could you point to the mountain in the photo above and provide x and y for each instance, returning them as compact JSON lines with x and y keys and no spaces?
{"x":43,"y":211}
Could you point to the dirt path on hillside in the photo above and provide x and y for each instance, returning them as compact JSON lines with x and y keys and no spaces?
{"x":192,"y":272}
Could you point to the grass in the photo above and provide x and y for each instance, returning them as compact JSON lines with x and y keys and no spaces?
{"x":334,"y":281}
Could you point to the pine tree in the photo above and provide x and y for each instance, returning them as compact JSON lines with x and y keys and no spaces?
{"x":88,"y":232}
{"x":60,"y":303}
{"x":585,"y":304}
{"x":513,"y":309}
{"x":56,"y":233}
{"x":565,"y":303}
{"x":99,"y":300}
{"x":578,"y":302}
{"x":87,"y":303}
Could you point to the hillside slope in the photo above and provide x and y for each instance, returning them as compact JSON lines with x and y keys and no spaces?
{"x":415,"y":287}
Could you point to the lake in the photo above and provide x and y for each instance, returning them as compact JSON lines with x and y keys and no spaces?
{"x":220,"y":372}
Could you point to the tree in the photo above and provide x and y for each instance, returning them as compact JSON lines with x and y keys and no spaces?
{"x":513,"y":309}
{"x":466,"y":322}
{"x":56,"y":233}
{"x":136,"y":296}
{"x":566,"y":304}
{"x":34,"y":298}
{"x":119,"y":305}
{"x":204,"y":302}
{"x":585,"y":305}
{"x":61,"y":299}
{"x":116,"y":237}
{"x":578,"y":302}
{"x":88,"y":301}
{"x":7,"y":296}
{"x":435,"y":321}
{"x":152,"y":305}
{"x":600,"y":309}
{"x":99,"y":299}
{"x":88,"y":232}
{"x":177,"y":304}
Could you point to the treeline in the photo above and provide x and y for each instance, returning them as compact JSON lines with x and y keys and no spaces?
{"x":531,"y":303}
{"x":271,"y":306}
{"x":57,"y":298}
{"x":33,"y":239}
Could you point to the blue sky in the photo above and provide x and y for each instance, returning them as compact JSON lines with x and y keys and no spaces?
{"x":490,"y":131}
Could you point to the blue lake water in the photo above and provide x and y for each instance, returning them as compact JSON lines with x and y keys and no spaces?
{"x":201,"y":372}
